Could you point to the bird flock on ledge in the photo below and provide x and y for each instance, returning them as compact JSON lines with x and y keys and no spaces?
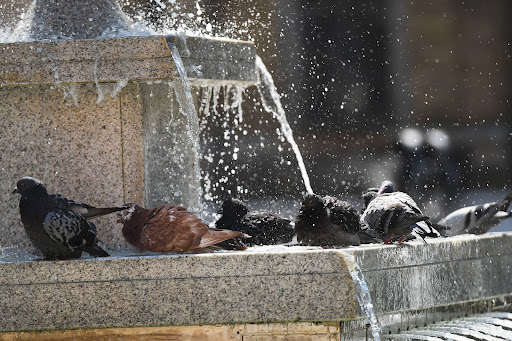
{"x":60,"y":228}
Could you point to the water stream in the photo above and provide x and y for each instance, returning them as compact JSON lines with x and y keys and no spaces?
{"x":188,"y":109}
{"x":363,"y":295}
{"x":272,"y":103}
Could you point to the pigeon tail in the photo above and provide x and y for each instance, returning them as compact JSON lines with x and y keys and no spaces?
{"x":368,"y":237}
{"x":92,"y":212}
{"x":95,"y":251}
{"x":505,"y":204}
{"x":214,"y":236}
{"x":442,"y":229}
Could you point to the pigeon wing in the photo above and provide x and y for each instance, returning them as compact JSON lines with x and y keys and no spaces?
{"x":172,"y":229}
{"x":344,"y":215}
{"x":67,"y":228}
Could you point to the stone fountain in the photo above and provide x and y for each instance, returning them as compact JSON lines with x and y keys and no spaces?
{"x":96,"y":118}
{"x":87,"y":106}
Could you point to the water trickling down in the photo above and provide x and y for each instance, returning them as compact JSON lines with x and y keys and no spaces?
{"x":187,"y":108}
{"x":363,"y":295}
{"x":272,"y":103}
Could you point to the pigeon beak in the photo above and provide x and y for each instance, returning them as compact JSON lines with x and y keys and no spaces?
{"x":15,"y":190}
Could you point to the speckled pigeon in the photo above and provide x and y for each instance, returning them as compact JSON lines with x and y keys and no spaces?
{"x":51,"y":224}
{"x":170,"y":228}
{"x":327,"y":221}
{"x":392,"y":214}
{"x":477,"y":219}
{"x":265,"y":228}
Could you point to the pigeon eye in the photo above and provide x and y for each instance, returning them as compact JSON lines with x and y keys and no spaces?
{"x":311,"y":201}
{"x":22,"y":184}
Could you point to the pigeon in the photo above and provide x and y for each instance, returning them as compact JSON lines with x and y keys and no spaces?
{"x":477,"y":219}
{"x":169,"y":228}
{"x":367,"y":196}
{"x":51,"y":224}
{"x":264,"y":228}
{"x":327,"y":221}
{"x":392,"y":214}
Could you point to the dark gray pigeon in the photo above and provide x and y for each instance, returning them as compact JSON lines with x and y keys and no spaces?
{"x":327,"y":221}
{"x":477,"y":219}
{"x":265,"y":228}
{"x":367,"y":196}
{"x":391,"y":214}
{"x":53,"y":226}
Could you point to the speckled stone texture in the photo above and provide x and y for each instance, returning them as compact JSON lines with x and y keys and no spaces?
{"x":410,"y":285}
{"x":446,"y":278}
{"x":78,"y":150}
{"x":80,"y":115}
{"x":126,"y":58}
{"x":176,"y":290}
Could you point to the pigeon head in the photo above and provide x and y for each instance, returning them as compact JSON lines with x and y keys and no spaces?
{"x":386,"y":187}
{"x":312,"y":200}
{"x":28,"y":185}
{"x":233,"y":206}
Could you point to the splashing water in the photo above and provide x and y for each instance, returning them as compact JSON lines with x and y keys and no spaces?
{"x":363,"y":295}
{"x":493,"y":326}
{"x":187,"y":108}
{"x":272,"y":103}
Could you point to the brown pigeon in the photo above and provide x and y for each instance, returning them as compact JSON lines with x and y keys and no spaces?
{"x":170,"y":228}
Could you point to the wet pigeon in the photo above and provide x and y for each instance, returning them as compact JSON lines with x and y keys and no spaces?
{"x":169,"y":228}
{"x":264,"y":228}
{"x":327,"y":221}
{"x":367,"y":196}
{"x":51,"y":224}
{"x":477,"y":219}
{"x":392,"y":214}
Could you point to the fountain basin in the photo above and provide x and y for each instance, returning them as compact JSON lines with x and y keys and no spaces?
{"x":279,"y":289}
{"x":97,"y":120}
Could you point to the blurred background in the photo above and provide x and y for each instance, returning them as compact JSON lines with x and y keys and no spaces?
{"x":411,"y":91}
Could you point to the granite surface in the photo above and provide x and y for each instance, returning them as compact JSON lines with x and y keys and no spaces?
{"x":409,"y":285}
{"x":416,"y":284}
{"x":126,"y":58}
{"x":73,"y":148}
{"x":175,"y":290}
{"x":465,"y":268}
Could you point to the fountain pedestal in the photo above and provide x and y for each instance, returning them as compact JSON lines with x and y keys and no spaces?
{"x":97,"y":120}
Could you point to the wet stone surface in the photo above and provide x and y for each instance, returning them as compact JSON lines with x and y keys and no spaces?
{"x":410,"y":285}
